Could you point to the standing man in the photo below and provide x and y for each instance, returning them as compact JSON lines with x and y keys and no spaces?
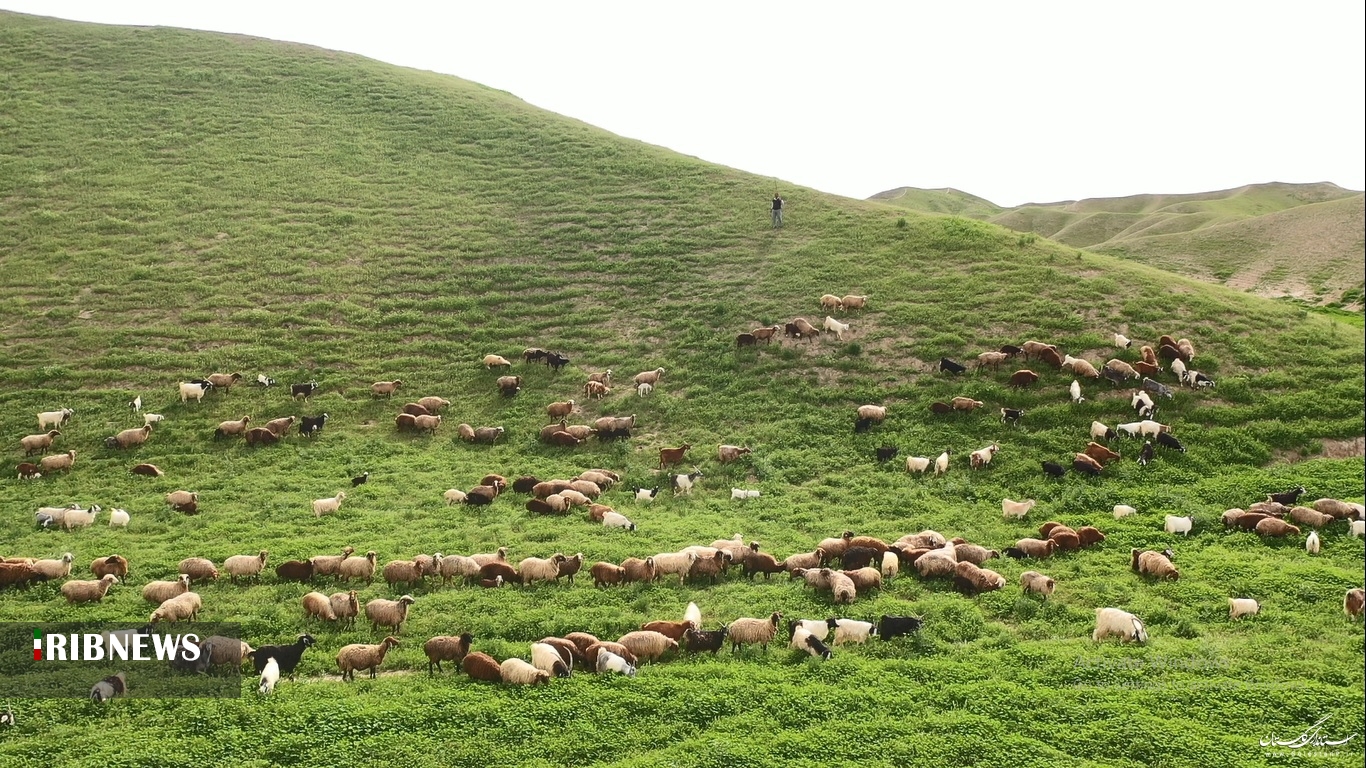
{"x":777,"y":211}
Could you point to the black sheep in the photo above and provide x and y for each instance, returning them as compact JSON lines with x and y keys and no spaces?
{"x":889,"y":627}
{"x":286,"y":656}
{"x":950,"y":366}
{"x":887,"y":452}
{"x":862,"y":425}
{"x":1053,"y":469}
{"x":858,"y":557}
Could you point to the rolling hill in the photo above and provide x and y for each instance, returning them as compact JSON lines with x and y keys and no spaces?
{"x":177,"y":203}
{"x":1298,"y":240}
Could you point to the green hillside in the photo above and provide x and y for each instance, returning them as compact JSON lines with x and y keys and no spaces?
{"x":177,"y":203}
{"x":1298,"y":240}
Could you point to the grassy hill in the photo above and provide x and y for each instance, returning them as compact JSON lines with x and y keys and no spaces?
{"x":1297,"y":240}
{"x":177,"y":203}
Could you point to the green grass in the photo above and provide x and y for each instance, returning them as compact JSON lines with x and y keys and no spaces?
{"x":217,"y":203}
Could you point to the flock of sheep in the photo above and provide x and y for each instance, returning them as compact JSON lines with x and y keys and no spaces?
{"x":863,"y":562}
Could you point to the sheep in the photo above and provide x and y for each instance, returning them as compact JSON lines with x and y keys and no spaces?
{"x":804,"y":560}
{"x":109,"y":687}
{"x":1036,"y":548}
{"x":194,"y":389}
{"x":317,"y":605}
{"x":668,"y":456}
{"x":1016,"y":509}
{"x":1276,"y":527}
{"x":617,"y":520}
{"x":836,"y":327}
{"x":38,"y":443}
{"x":865,"y":578}
{"x":1022,"y":378}
{"x":409,"y":573}
{"x":498,"y":572}
{"x":102,"y":566}
{"x":484,"y":558}
{"x":85,"y":591}
{"x":648,"y":377}
{"x":327,"y":565}
{"x":357,"y":567}
{"x":345,"y":607}
{"x":917,"y":464}
{"x":1113,"y":621}
{"x":186,"y":606}
{"x":1155,"y":564}
{"x":890,"y":565}
{"x":684,"y":483}
{"x":729,"y":453}
{"x":740,"y":494}
{"x":607,"y":661}
{"x":329,"y":505}
{"x":453,"y":496}
{"x":385,"y":388}
{"x":1181,"y":525}
{"x":362,"y":656}
{"x":245,"y":565}
{"x":1352,"y":602}
{"x":1358,"y":528}
{"x":1311,"y":544}
{"x":1239,"y":607}
{"x":425,"y":423}
{"x":569,"y":566}
{"x":548,"y":659}
{"x":158,"y":592}
{"x":481,"y":666}
{"x":830,"y":301}
{"x":644,"y":388}
{"x":1122,"y":341}
{"x":451,"y":566}
{"x":1310,"y":517}
{"x":388,"y":613}
{"x":1186,"y":348}
{"x":260,"y":436}
{"x":279,"y":427}
{"x":648,"y":644}
{"x":859,"y":557}
{"x":1074,"y":390}
{"x":1121,"y":368}
{"x":62,"y":461}
{"x":55,"y":418}
{"x":941,"y":464}
{"x":748,"y":631}
{"x":19,"y":575}
{"x":225,"y":651}
{"x":892,"y":627}
{"x":1342,"y":510}
{"x":1034,"y":582}
{"x":673,"y":630}
{"x":971,"y":580}
{"x":674,"y":562}
{"x":982,"y":457}
{"x":709,"y":566}
{"x":605,"y":574}
{"x":533,"y":569}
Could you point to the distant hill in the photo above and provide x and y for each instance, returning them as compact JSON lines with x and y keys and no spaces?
{"x":1298,"y":240}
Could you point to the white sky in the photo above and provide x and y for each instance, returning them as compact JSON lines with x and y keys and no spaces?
{"x":1013,"y":101}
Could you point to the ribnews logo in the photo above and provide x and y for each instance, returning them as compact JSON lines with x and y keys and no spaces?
{"x":64,"y":660}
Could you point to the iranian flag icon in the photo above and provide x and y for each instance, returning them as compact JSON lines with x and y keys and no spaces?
{"x":37,"y":645}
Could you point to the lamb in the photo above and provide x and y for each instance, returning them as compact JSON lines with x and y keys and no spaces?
{"x":1239,"y":607}
{"x":1016,"y":509}
{"x":592,"y":652}
{"x":982,"y":457}
{"x":86,"y":591}
{"x":385,"y":388}
{"x":361,"y":656}
{"x":245,"y":565}
{"x":358,"y":567}
{"x":874,"y":413}
{"x":1036,"y":583}
{"x":836,"y":327}
{"x":62,"y":461}
{"x":1181,"y":525}
{"x":329,"y":505}
{"x":109,"y":687}
{"x":55,"y":418}
{"x":101,"y":566}
{"x":647,"y":644}
{"x":1353,"y":601}
{"x":388,"y":613}
{"x":28,"y":471}
{"x":1113,"y":621}
{"x":748,"y":631}
{"x":1275,"y":527}
{"x":186,"y":606}
{"x":1122,"y":341}
{"x":194,"y":389}
{"x":1358,"y":528}
{"x":1155,"y":564}
{"x":38,"y":443}
{"x":1311,"y":544}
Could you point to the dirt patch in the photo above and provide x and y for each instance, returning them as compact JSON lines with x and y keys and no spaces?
{"x":1332,"y":449}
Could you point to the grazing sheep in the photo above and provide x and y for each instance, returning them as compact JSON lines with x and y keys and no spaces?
{"x":86,"y":591}
{"x":198,"y":569}
{"x":1310,"y":517}
{"x":1113,"y":621}
{"x":830,"y":301}
{"x":1022,"y":378}
{"x":1124,"y":510}
{"x":1358,"y":528}
{"x":38,"y":443}
{"x":548,"y":659}
{"x":59,"y":461}
{"x":1036,"y":548}
{"x":1181,"y":525}
{"x":328,"y":506}
{"x":698,"y":641}
{"x":617,"y":520}
{"x":55,"y":418}
{"x":388,"y":613}
{"x":982,"y":457}
{"x":1311,"y":544}
{"x":1122,"y":341}
{"x":1016,"y":509}
{"x":245,"y":566}
{"x":892,"y":627}
{"x":231,"y":428}
{"x":362,"y":656}
{"x":186,"y":606}
{"x":129,"y":438}
{"x":481,"y":666}
{"x":674,"y":562}
{"x":941,"y":464}
{"x":109,"y":687}
{"x":648,"y":644}
{"x":1155,"y":564}
{"x":357,"y":567}
{"x":1342,"y":510}
{"x":917,"y":464}
{"x":970,"y":579}
{"x":748,"y":631}
{"x":261,"y":436}
{"x":607,"y":573}
{"x":1352,"y":602}
{"x":1275,"y":527}
{"x":319,"y":606}
{"x":1036,"y":583}
{"x":103,"y":566}
{"x":1239,"y":607}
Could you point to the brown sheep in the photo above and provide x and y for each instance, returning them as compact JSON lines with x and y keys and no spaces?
{"x":560,"y":409}
{"x":1145,"y":368}
{"x":745,"y":340}
{"x":129,"y":438}
{"x":636,"y":569}
{"x":671,"y":629}
{"x":224,"y":381}
{"x":280,"y":427}
{"x":1089,"y":535}
{"x":965,"y":404}
{"x":1022,"y":378}
{"x":38,"y":443}
{"x":385,"y":388}
{"x":416,"y":409}
{"x":1148,"y":355}
{"x":1276,"y":527}
{"x":509,"y":385}
{"x":607,"y":573}
{"x":1153,"y":564}
{"x":261,"y":436}
{"x":487,"y":435}
{"x":1310,"y":517}
{"x":232,"y":428}
{"x":1051,"y":356}
{"x":1037,"y":548}
{"x":481,"y":666}
{"x":766,"y":334}
{"x":147,"y":470}
{"x":972,"y":580}
{"x":115,"y":564}
{"x":433,"y":404}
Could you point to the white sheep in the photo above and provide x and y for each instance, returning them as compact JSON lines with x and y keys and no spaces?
{"x":917,"y":464}
{"x":159,"y":592}
{"x":1181,"y":525}
{"x":245,"y":565}
{"x":454,"y":496}
{"x":817,"y":628}
{"x":88,"y":591}
{"x":547,"y":658}
{"x":1239,"y":607}
{"x":1075,"y":391}
{"x":617,"y":520}
{"x":270,"y":675}
{"x":1016,"y":509}
{"x":941,"y":464}
{"x":891,"y":565}
{"x":642,"y":389}
{"x":853,"y":631}
{"x":739,"y":494}
{"x":540,"y":569}
{"x":1122,"y":341}
{"x":388,"y":613}
{"x":1033,"y":581}
{"x":1311,"y":544}
{"x":318,"y":605}
{"x":515,"y":671}
{"x":748,"y":631}
{"x":118,"y":518}
{"x":648,"y":644}
{"x":1113,"y":621}
{"x":328,"y":506}
{"x":1124,"y":510}
{"x":79,"y":518}
{"x":674,"y":562}
{"x":693,"y":614}
{"x":1358,"y":528}
{"x":836,"y":327}
{"x":611,"y":662}
{"x":149,"y":419}
{"x":54,"y":569}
